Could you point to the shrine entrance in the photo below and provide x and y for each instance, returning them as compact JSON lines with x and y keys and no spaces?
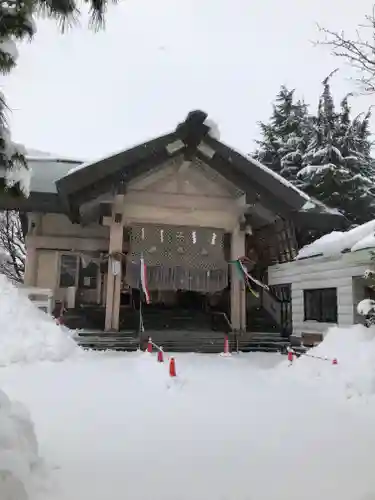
{"x":187,"y":275}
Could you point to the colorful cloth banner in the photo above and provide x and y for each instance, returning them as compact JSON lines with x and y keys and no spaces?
{"x":144,"y":280}
{"x":246,"y":276}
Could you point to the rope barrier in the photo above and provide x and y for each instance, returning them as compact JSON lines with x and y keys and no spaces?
{"x":292,"y":352}
{"x":159,"y":348}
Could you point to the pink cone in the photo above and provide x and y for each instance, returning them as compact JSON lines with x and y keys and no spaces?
{"x":149,"y":345}
{"x":226,"y":345}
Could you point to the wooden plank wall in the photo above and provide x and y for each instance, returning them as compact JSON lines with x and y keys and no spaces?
{"x":320,"y":273}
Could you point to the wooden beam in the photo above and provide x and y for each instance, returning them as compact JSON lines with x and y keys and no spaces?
{"x":222,"y":167}
{"x":180,"y":201}
{"x":69,"y":243}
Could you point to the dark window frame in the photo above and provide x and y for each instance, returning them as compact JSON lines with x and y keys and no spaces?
{"x":320,"y":304}
{"x":63,"y":283}
{"x":85,"y":272}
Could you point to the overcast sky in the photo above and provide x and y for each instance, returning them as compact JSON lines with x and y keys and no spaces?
{"x":85,"y":95}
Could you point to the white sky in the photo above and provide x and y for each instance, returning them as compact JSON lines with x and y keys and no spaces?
{"x":86,"y":94}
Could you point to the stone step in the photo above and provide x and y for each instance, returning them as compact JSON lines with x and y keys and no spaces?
{"x":202,"y":344}
{"x":266,"y":335}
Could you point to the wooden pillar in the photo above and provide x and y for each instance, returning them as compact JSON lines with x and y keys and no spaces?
{"x":237,"y":292}
{"x":31,"y":263}
{"x":116,"y":229}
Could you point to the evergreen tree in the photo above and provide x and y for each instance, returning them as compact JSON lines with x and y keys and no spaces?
{"x":337,"y":166}
{"x":16,"y":24}
{"x":286,"y":134}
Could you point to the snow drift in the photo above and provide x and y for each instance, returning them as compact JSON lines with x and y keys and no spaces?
{"x":26,"y":333}
{"x":353,"y":376}
{"x":221,"y":429}
{"x":18,"y":450}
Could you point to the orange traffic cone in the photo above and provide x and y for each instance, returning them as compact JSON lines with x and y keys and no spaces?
{"x":149,"y":345}
{"x":160,"y":355}
{"x":172,"y":367}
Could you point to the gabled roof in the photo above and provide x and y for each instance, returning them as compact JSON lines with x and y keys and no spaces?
{"x":193,"y":138}
{"x":63,"y":185}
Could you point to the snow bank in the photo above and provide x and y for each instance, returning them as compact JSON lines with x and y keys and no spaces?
{"x":18,"y":450}
{"x":354,"y":375}
{"x":26,"y":333}
{"x":336,"y":242}
{"x":221,"y":429}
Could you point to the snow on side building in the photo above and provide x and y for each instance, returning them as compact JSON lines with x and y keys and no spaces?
{"x":328,"y":281}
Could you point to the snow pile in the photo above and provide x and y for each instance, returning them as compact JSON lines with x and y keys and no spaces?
{"x":334,"y":243}
{"x":18,"y":450}
{"x":329,"y":244}
{"x":213,"y":127}
{"x":26,"y":333}
{"x":354,"y":375}
{"x":365,"y":307}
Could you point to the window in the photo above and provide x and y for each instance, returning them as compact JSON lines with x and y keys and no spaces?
{"x":320,"y":305}
{"x":88,"y":276}
{"x":68,"y":270}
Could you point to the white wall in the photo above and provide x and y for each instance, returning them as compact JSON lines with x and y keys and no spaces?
{"x":320,"y":272}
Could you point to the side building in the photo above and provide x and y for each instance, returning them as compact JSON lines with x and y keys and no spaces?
{"x":328,"y":279}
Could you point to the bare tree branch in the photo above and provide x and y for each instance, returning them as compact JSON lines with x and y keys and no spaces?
{"x":12,"y":246}
{"x":358,"y":51}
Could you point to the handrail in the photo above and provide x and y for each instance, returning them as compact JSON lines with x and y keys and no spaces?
{"x":224,"y":315}
{"x":276,"y":307}
{"x":272,"y":305}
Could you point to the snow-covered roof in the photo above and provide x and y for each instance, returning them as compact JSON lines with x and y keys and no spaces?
{"x":286,"y":183}
{"x":46,"y":169}
{"x":214,"y":132}
{"x":359,"y":238}
{"x":197,"y":136}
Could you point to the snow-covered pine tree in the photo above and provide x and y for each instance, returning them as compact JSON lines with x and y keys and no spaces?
{"x":287,"y":132}
{"x":337,"y":166}
{"x":16,"y":24}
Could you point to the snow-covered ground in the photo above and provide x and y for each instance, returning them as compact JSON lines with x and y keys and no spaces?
{"x":248,"y":427}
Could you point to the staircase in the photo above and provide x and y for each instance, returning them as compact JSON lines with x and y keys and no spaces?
{"x":100,"y":341}
{"x":175,"y":330}
{"x":182,"y":330}
{"x":260,"y":321}
{"x":265,"y":342}
{"x":175,"y":319}
{"x":184,"y":341}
